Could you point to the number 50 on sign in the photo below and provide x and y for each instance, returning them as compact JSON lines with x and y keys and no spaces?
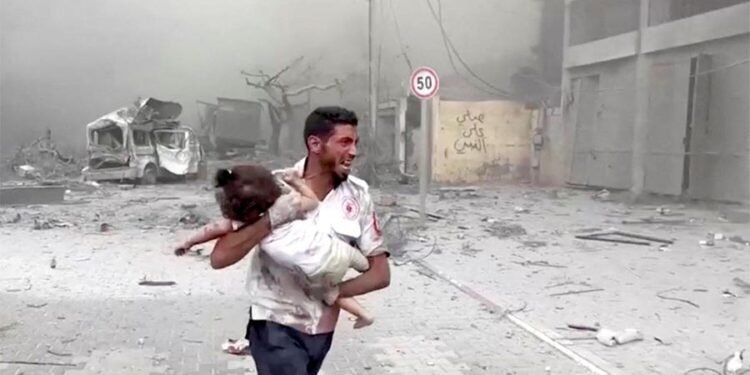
{"x":424,"y":83}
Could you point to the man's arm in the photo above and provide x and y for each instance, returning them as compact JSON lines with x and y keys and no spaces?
{"x":377,"y":277}
{"x":233,"y":246}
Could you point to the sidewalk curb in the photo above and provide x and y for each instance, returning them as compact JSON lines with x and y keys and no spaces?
{"x":583,"y":357}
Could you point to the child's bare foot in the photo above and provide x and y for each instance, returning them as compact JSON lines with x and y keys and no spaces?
{"x":363,"y":322}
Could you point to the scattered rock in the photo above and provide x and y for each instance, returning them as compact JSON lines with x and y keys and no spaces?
{"x":601,"y":195}
{"x":502,"y":230}
{"x":534,"y":244}
{"x":193,"y":219}
{"x":739,"y":240}
{"x":608,"y":337}
{"x":49,"y":224}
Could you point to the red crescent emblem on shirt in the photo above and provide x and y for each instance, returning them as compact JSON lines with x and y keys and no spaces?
{"x":351,"y":208}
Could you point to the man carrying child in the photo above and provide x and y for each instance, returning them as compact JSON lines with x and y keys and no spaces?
{"x":282,"y":338}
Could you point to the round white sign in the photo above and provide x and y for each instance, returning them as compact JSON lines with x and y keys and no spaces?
{"x":424,"y":82}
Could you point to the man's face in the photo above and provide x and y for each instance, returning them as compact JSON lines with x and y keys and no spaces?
{"x":337,"y":153}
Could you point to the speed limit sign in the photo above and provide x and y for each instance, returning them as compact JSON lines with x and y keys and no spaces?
{"x":424,"y":83}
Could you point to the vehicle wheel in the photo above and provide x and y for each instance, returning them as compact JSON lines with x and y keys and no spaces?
{"x":149,"y":175}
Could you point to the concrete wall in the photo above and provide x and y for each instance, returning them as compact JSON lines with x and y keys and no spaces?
{"x":598,"y":19}
{"x":600,"y":140}
{"x":601,"y":128}
{"x":552,"y":167}
{"x":727,"y":134}
{"x":481,"y":142}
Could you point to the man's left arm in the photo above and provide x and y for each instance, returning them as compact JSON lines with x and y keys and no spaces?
{"x":371,"y":243}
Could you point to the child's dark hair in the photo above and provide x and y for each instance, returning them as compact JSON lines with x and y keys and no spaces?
{"x":247,"y":192}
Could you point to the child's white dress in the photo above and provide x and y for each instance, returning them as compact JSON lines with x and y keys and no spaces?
{"x":321,"y":257}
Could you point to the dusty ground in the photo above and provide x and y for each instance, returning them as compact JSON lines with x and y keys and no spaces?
{"x":88,"y":315}
{"x":515,"y":245}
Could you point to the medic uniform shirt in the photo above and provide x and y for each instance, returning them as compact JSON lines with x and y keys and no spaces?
{"x":277,"y":293}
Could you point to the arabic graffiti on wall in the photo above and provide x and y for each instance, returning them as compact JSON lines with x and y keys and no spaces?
{"x":471,"y":137}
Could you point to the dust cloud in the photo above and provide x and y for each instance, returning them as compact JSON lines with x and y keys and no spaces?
{"x":64,"y":63}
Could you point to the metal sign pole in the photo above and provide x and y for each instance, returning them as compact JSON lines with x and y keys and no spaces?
{"x":424,"y":84}
{"x":423,"y":158}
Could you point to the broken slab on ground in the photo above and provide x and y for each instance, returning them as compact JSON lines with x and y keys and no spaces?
{"x":13,"y":195}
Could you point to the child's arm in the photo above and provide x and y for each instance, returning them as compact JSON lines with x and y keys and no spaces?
{"x":207,"y":233}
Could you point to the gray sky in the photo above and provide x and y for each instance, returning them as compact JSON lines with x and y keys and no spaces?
{"x":65,"y":62}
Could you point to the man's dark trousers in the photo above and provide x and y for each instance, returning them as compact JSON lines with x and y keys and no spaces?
{"x":282,"y":350}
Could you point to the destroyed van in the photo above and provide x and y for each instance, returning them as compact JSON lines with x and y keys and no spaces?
{"x":143,"y":143}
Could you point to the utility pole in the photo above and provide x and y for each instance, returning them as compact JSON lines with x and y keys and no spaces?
{"x":372,"y":70}
{"x":640,"y":129}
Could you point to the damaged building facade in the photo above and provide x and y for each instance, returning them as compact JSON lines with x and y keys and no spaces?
{"x":694,"y":135}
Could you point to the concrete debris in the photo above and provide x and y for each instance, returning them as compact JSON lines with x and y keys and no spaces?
{"x":16,"y":219}
{"x":656,"y":220}
{"x":521,"y":210}
{"x":502,"y":230}
{"x":609,"y":337}
{"x":40,"y":160}
{"x":193,"y":219}
{"x":49,"y":224}
{"x":602,"y":195}
{"x":156,"y":283}
{"x":388,"y":201}
{"x":26,"y":195}
{"x":53,"y":263}
{"x":739,"y":240}
{"x":742,"y":284}
{"x":663,"y":211}
{"x":608,"y":237}
{"x":457,"y":192}
{"x":236,"y":347}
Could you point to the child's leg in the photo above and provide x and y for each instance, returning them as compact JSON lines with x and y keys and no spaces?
{"x":353,"y":307}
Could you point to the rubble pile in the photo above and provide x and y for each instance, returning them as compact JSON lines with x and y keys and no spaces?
{"x":41,"y":161}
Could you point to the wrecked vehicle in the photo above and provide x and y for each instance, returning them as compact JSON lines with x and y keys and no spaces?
{"x":231,"y":124}
{"x":143,"y":143}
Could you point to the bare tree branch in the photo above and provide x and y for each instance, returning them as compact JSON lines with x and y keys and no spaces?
{"x":284,"y":70}
{"x":254,"y":84}
{"x":311,"y":87}
{"x":260,"y":74}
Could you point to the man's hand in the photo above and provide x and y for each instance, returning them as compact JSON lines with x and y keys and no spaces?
{"x":377,"y":277}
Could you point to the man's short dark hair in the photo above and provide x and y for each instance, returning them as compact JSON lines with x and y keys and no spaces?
{"x":323,"y":120}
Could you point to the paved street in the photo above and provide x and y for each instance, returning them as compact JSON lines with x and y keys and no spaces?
{"x":516,"y":245}
{"x":88,"y":315}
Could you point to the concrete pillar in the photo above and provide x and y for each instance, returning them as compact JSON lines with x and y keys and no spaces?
{"x":565,"y":96}
{"x":640,"y":128}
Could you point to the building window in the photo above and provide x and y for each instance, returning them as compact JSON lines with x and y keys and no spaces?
{"x":671,"y":10}
{"x":592,"y":20}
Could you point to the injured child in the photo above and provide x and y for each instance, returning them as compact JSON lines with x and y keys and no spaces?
{"x":246,"y":192}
